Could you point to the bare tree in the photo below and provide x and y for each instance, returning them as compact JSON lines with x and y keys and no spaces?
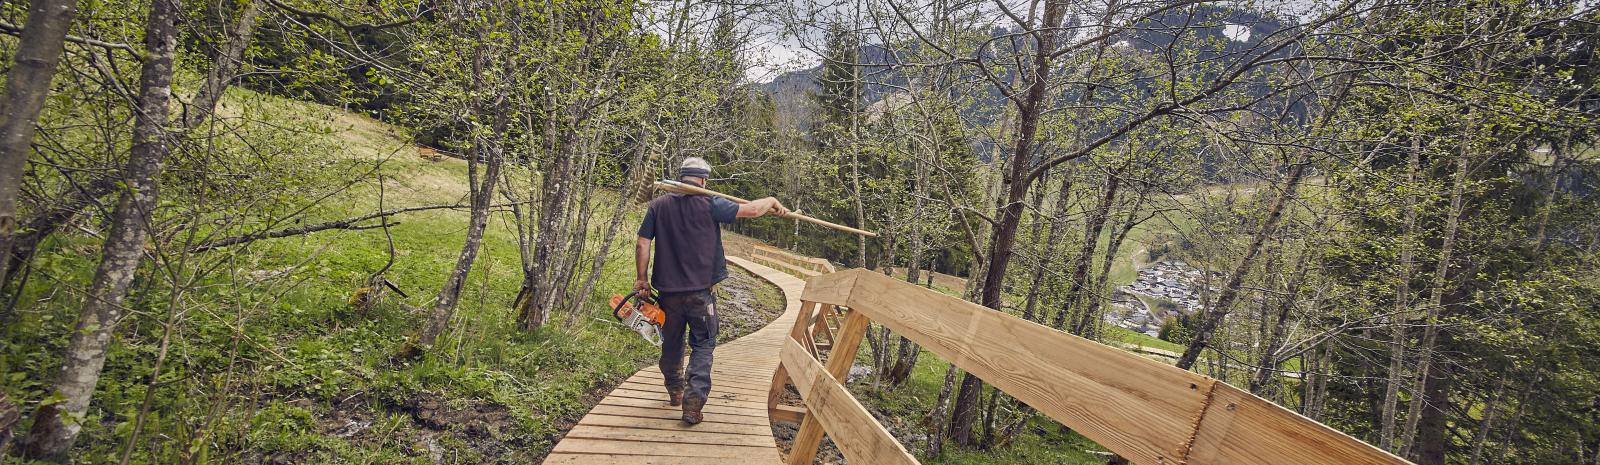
{"x":1212,"y":318}
{"x":56,"y":424}
{"x":27,"y":85}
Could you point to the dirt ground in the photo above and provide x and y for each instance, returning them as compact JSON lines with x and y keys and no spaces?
{"x":746,"y":303}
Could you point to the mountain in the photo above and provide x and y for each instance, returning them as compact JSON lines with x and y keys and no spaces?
{"x":791,"y":92}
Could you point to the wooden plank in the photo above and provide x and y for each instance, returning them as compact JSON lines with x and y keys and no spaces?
{"x":785,"y":265}
{"x":620,"y":459}
{"x":687,"y":437}
{"x":1136,"y":407}
{"x":717,"y":384}
{"x":1240,"y":428}
{"x":709,"y":409}
{"x":671,"y":413}
{"x":732,"y":377}
{"x":664,"y":449}
{"x":833,"y":289}
{"x":787,"y":414}
{"x":716,"y":391}
{"x":728,"y":400}
{"x":851,"y":426}
{"x":676,"y":424}
{"x":809,"y":438}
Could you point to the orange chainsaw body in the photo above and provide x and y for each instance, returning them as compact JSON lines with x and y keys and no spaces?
{"x":639,"y":314}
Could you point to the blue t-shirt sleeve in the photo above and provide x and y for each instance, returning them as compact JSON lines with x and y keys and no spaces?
{"x":647,"y":229}
{"x":724,"y":210}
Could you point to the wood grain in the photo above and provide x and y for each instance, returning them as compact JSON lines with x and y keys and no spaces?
{"x":809,"y":438}
{"x":634,"y":424}
{"x":1240,"y":428}
{"x":853,"y":429}
{"x":1136,"y":407}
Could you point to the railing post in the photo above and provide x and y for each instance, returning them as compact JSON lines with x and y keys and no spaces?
{"x":781,"y":377}
{"x":820,"y":328}
{"x":838,"y":366}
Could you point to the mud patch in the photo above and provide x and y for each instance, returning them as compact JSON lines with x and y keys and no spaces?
{"x":746,"y":303}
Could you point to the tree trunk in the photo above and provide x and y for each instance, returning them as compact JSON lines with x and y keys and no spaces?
{"x":555,"y":186}
{"x":1441,"y":277}
{"x":226,"y":67}
{"x":935,"y":419}
{"x":38,"y":52}
{"x":9,"y":417}
{"x":1119,"y":235}
{"x":906,"y":359}
{"x":74,"y":200}
{"x":1213,"y":316}
{"x":482,"y":197}
{"x":1432,"y":440}
{"x":613,"y":226}
{"x":1048,"y":255}
{"x":1402,"y":304}
{"x":1009,"y":204}
{"x":1077,"y":282}
{"x":1267,"y":367}
{"x":1491,"y":411}
{"x":56,"y":424}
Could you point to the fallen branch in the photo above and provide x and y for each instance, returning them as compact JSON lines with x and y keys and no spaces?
{"x":345,"y":224}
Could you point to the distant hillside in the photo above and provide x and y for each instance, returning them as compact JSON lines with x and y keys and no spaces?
{"x":791,"y":91}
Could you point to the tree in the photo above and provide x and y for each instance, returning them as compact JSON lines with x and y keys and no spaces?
{"x":56,"y":423}
{"x":27,"y":84}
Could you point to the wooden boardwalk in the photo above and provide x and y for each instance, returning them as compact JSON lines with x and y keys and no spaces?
{"x":634,"y":424}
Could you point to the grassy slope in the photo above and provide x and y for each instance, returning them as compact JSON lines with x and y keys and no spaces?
{"x":312,"y":383}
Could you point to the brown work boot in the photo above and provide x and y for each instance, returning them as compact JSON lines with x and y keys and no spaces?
{"x":691,"y":410}
{"x":675,"y":392}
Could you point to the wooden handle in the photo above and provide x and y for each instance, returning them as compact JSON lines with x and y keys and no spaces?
{"x":683,"y":188}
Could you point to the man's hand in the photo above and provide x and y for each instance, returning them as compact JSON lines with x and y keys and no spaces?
{"x":777,"y":207}
{"x":642,"y":286}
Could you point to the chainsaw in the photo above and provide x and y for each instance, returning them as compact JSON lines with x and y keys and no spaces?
{"x":640,"y":314}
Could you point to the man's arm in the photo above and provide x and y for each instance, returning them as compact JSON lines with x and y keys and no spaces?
{"x":761,"y":207}
{"x":641,"y":266}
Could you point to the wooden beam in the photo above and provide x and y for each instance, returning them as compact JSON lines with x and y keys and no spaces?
{"x":1240,"y":428}
{"x":787,"y":414}
{"x":839,"y":360}
{"x":834,"y":288}
{"x":796,"y":332}
{"x":1144,"y":410}
{"x":831,"y":406}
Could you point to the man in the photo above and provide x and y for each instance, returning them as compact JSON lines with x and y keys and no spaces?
{"x":688,"y":262}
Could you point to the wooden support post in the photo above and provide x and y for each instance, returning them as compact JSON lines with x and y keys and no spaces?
{"x":839,"y":361}
{"x":787,"y":414}
{"x":821,"y":328}
{"x":781,"y":377}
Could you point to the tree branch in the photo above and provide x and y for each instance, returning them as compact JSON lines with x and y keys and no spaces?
{"x":14,"y":30}
{"x":346,"y":224}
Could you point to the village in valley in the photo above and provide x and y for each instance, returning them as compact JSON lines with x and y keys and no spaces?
{"x":1172,"y":281}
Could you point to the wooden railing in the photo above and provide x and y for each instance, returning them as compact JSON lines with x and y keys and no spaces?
{"x":786,"y":262}
{"x":1141,"y":409}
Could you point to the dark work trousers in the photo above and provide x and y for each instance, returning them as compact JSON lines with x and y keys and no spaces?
{"x":695,"y":311}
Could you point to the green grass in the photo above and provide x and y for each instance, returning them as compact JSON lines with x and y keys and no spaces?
{"x":306,"y":362}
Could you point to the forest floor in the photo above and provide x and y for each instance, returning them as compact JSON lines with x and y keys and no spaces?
{"x":283,"y":370}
